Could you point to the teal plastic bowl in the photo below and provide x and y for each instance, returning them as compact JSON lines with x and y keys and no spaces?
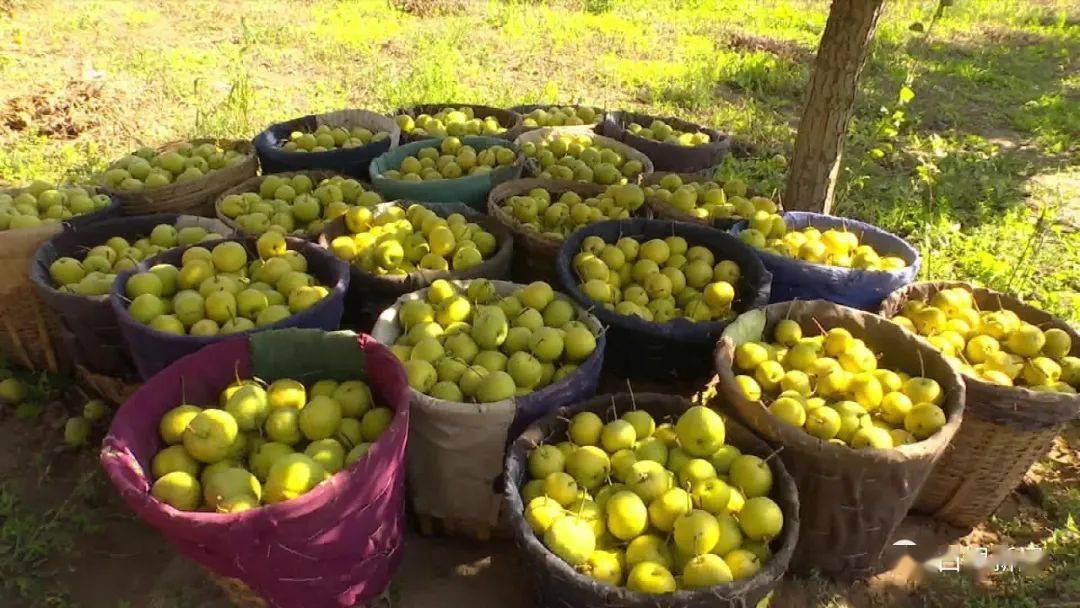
{"x":472,"y":190}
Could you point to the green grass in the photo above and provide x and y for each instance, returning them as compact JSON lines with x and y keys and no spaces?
{"x":978,"y":168}
{"x":965,"y":140}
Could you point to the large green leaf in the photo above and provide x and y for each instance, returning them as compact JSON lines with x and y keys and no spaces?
{"x":748,"y":327}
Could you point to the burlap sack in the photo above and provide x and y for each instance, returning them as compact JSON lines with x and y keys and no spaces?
{"x":369,"y":294}
{"x":851,"y":500}
{"x":667,"y":157}
{"x":664,"y":211}
{"x":1004,"y":430}
{"x":507,"y":118}
{"x":535,"y":136}
{"x":534,"y":252}
{"x":252,"y":185}
{"x":557,"y":585}
{"x":456,"y":449}
{"x":195,"y":197}
{"x":353,"y":162}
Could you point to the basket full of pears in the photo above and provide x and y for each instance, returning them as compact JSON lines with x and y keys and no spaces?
{"x":861,"y":409}
{"x":1021,"y":369}
{"x":822,"y":257}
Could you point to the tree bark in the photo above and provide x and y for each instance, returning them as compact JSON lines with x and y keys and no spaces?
{"x":819,"y":145}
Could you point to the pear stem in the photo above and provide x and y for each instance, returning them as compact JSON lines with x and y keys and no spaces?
{"x":774,"y":453}
{"x":820,"y":328}
{"x":633,"y":401}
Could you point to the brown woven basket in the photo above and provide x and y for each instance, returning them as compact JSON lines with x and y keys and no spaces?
{"x":507,"y":118}
{"x":252,"y":185}
{"x":851,"y":500}
{"x":1004,"y":431}
{"x":369,"y":294}
{"x":197,"y":196}
{"x":28,"y":329}
{"x":526,"y":109}
{"x":557,"y":585}
{"x":115,"y":390}
{"x":241,"y":596}
{"x":662,"y":210}
{"x":538,"y":135}
{"x":534,"y":253}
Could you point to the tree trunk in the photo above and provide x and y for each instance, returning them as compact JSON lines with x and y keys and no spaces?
{"x":819,"y":144}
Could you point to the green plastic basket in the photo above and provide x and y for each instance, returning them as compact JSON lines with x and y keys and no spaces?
{"x":471,"y":190}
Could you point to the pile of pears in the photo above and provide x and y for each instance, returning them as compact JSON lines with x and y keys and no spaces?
{"x":709,"y":200}
{"x":449,"y":121}
{"x":994,"y":346}
{"x":147,"y":168}
{"x":77,"y":429}
{"x":327,"y":137}
{"x":451,"y":159}
{"x":295,"y":205}
{"x":559,"y":116}
{"x":94,"y":274}
{"x":654,"y":508}
{"x":481,"y":347}
{"x":830,"y":385}
{"x":220,"y":291}
{"x":537,"y":212}
{"x":769,"y":232}
{"x":657,"y":280}
{"x":43,"y":203}
{"x":263,"y":444}
{"x":400,"y":241}
{"x":579,"y":157}
{"x":660,"y":131}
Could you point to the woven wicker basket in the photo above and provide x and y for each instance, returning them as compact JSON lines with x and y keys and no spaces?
{"x":28,"y":329}
{"x":664,"y":211}
{"x":538,"y":135}
{"x":851,"y":501}
{"x":252,"y":185}
{"x":197,"y":196}
{"x":534,"y":253}
{"x":526,"y":109}
{"x":509,"y":119}
{"x":665,"y":156}
{"x":1004,"y":430}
